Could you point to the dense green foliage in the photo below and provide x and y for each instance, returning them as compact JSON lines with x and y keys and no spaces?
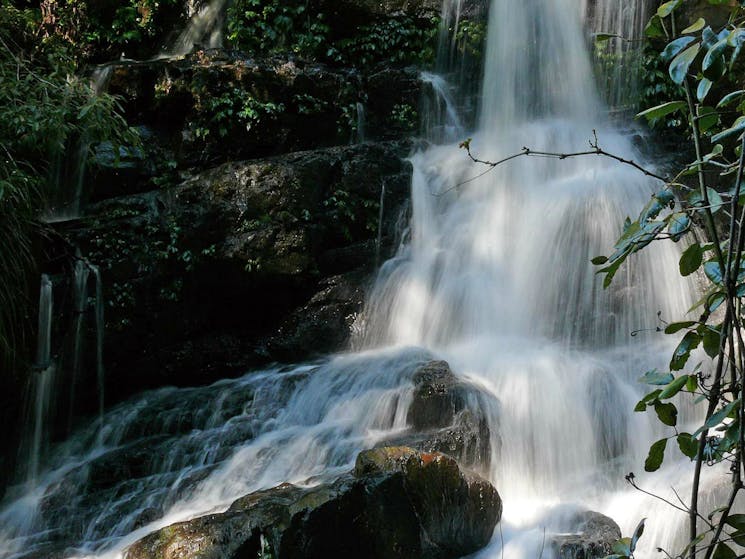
{"x":265,"y":27}
{"x":698,"y":61}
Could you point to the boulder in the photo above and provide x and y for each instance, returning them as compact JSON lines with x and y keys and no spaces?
{"x":447,"y":415}
{"x":593,"y":537}
{"x":396,"y":503}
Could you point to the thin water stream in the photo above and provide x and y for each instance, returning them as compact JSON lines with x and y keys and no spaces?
{"x":494,"y":277}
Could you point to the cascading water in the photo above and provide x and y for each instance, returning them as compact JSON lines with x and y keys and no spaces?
{"x":619,"y":58}
{"x":205,"y":28}
{"x":43,"y":380}
{"x":494,"y":277}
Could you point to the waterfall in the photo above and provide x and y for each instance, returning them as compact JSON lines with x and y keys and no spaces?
{"x":494,"y":277}
{"x":204,"y":30}
{"x":619,"y":59}
{"x":98,"y":310}
{"x":42,"y":382}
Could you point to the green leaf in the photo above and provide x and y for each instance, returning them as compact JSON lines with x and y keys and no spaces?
{"x":656,"y":378}
{"x":676,"y":327}
{"x":716,"y":151}
{"x":713,"y":65}
{"x":691,"y":259}
{"x":708,"y":117}
{"x":656,"y":456}
{"x":668,"y":7}
{"x":713,"y":271}
{"x":730,"y":98}
{"x":652,"y":396}
{"x":736,"y":128}
{"x":738,"y":538}
{"x":680,"y":223}
{"x":711,"y":342}
{"x":688,"y":445}
{"x":679,"y":66}
{"x":599,"y":260}
{"x":676,"y":385}
{"x":703,"y":89}
{"x":654,"y":28}
{"x":689,"y":342}
{"x":674,"y":47}
{"x":662,"y":110}
{"x":724,"y":552}
{"x":692,"y":383}
{"x":721,"y":415}
{"x":697,"y":25}
{"x":736,"y":521}
{"x":667,"y":413}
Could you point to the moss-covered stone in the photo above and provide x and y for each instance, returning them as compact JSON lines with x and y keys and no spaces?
{"x":397,"y":503}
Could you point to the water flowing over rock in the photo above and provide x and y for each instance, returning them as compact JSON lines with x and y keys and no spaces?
{"x":397,"y":503}
{"x":594,"y":537}
{"x":486,"y":336}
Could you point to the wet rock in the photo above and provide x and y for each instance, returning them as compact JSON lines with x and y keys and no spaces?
{"x":275,"y":105}
{"x":594,"y":537}
{"x":447,"y":415}
{"x":397,"y":503}
{"x":201,"y":276}
{"x":324,"y":323}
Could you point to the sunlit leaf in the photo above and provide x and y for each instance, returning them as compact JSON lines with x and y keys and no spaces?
{"x":674,"y":47}
{"x":662,"y":110}
{"x":676,"y":385}
{"x":655,"y":377}
{"x":679,"y":66}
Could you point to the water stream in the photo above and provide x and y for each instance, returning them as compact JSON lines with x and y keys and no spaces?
{"x":494,"y":277}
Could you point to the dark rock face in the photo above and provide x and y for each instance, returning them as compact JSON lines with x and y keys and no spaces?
{"x":241,"y":264}
{"x":448,"y":415}
{"x":397,"y":503}
{"x":594,"y":539}
{"x":213,"y":106}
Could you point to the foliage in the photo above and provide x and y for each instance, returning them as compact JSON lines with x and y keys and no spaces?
{"x":44,"y":110}
{"x":262,"y":26}
{"x":698,"y":60}
{"x":265,"y":26}
{"x":86,"y":29}
{"x":234,"y":108}
{"x":397,"y":40}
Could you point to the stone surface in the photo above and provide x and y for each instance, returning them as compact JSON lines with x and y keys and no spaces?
{"x":241,"y":264}
{"x":594,"y":537}
{"x":397,"y":503}
{"x":448,"y":415}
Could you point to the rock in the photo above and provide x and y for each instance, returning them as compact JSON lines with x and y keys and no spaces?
{"x":397,"y":503}
{"x":447,"y":415}
{"x":594,"y":537}
{"x":218,"y":105}
{"x":242,"y":264}
{"x":323,"y":325}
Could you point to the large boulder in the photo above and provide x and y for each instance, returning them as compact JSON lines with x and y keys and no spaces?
{"x":397,"y":503}
{"x":447,"y":414}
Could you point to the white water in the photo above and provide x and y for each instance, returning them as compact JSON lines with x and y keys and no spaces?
{"x":495,"y":278}
{"x":204,"y":30}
